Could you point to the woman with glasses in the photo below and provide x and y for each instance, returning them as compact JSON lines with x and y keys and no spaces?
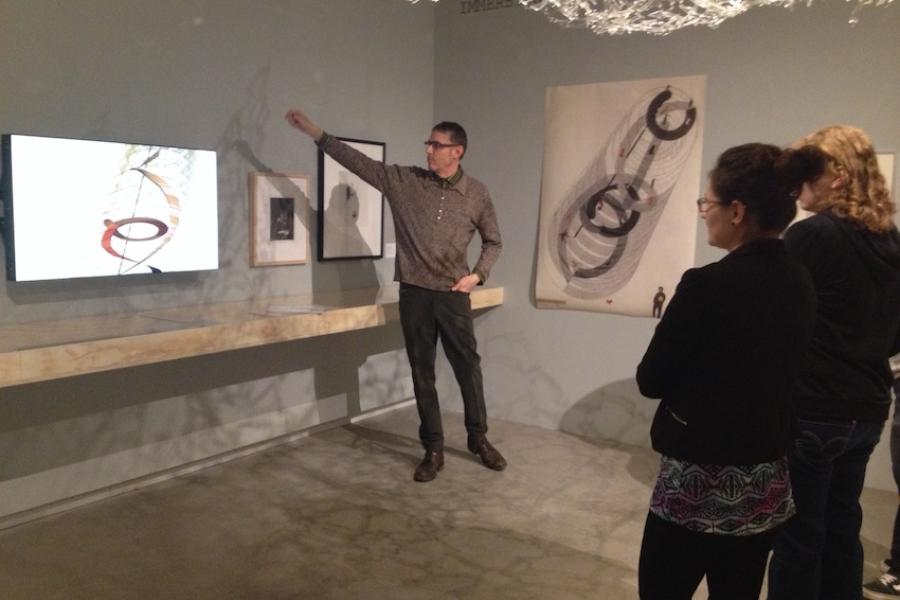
{"x":722,"y":361}
{"x":842,"y":397}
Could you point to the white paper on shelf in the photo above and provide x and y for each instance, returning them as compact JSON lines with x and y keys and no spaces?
{"x":294,"y":309}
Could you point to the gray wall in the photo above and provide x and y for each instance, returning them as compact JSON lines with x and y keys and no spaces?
{"x":772,"y":75}
{"x":210,"y":74}
{"x":221,"y":74}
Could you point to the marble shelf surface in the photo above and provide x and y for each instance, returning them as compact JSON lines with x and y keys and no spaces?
{"x":44,"y":350}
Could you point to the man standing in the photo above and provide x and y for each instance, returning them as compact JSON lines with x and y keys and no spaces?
{"x":658,"y":300}
{"x":436,"y":213}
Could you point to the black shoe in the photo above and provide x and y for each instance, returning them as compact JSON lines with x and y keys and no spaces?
{"x":430,"y":465}
{"x":884,"y":588}
{"x":489,"y":455}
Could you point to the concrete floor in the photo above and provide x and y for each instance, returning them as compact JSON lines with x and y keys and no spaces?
{"x":337,"y":515}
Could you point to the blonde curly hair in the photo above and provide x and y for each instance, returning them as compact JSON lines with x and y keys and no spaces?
{"x":862,"y":197}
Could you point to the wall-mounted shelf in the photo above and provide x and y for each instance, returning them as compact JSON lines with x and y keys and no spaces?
{"x":44,"y":350}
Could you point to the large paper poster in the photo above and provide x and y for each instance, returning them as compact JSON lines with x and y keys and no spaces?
{"x":618,"y":199}
{"x":886,"y":166}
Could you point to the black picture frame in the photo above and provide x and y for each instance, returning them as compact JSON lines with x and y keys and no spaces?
{"x":351,"y":212}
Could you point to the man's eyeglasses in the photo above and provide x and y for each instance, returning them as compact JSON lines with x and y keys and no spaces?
{"x":703,"y":204}
{"x":438,"y":145}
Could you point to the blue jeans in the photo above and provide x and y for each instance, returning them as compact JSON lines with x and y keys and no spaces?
{"x":895,"y":467}
{"x":817,"y":554}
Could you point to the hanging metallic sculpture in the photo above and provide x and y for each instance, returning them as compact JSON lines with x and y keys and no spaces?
{"x":657,"y":17}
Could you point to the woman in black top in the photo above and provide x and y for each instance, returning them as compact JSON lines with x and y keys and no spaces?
{"x":842,"y":397}
{"x":723,"y":361}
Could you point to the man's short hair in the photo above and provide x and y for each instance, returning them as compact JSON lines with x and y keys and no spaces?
{"x":455,"y":131}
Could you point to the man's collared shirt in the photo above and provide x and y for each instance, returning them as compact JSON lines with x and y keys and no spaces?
{"x":453,"y":179}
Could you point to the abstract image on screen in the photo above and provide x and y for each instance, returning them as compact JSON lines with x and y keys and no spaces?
{"x":83,"y":208}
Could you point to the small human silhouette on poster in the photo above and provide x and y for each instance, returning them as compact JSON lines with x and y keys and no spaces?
{"x":658,"y":300}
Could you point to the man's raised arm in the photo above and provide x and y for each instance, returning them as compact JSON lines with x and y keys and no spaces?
{"x":375,"y":173}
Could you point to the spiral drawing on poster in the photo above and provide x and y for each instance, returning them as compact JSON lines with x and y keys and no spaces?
{"x":599,"y":233}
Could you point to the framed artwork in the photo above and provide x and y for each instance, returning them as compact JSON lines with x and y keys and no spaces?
{"x":351,"y":212}
{"x":279,"y":219}
{"x":886,"y":166}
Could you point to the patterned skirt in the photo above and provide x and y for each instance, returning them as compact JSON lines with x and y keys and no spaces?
{"x":723,"y":499}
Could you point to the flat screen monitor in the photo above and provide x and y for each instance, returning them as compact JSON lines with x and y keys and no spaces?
{"x":87,"y":208}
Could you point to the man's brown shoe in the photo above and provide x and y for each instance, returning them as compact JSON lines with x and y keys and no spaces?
{"x":489,"y":455}
{"x":430,"y":465}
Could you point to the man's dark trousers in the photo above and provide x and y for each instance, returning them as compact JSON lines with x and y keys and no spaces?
{"x":425,"y":315}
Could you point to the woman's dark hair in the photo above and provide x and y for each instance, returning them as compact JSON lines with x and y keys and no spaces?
{"x":766,"y":179}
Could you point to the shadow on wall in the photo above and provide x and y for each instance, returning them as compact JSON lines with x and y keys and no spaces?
{"x":615,"y":412}
{"x":70,"y":436}
{"x":241,"y":145}
{"x":530,"y":394}
{"x":201,"y":406}
{"x":240,"y":149}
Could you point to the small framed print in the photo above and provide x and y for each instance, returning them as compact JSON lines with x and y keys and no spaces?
{"x":279,"y":219}
{"x":351,"y":212}
{"x":886,"y":166}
